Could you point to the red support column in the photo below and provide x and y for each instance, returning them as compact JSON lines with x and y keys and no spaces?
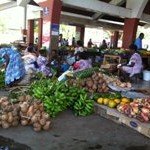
{"x":115,"y":39}
{"x":51,"y":18}
{"x":82,"y":33}
{"x":24,"y":35}
{"x":30,"y":33}
{"x":129,"y":31}
{"x":80,"y":30}
{"x":40,"y":27}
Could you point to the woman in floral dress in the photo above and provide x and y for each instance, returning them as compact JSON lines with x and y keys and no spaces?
{"x":14,"y":66}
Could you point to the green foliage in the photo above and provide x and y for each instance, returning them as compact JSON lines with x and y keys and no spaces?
{"x":2,"y":79}
{"x":86,"y":73}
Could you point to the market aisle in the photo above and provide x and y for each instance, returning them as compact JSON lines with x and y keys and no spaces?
{"x":79,"y":133}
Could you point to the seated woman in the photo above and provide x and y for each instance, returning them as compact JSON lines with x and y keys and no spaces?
{"x":14,"y":66}
{"x":79,"y":48}
{"x":30,"y":59}
{"x":43,"y":66}
{"x":135,"y":63}
{"x":83,"y":63}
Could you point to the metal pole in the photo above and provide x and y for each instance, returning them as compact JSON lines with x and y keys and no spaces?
{"x":25,"y":24}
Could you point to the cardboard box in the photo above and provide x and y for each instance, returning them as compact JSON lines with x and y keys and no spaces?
{"x":143,"y":128}
{"x":114,"y":115}
{"x":106,"y":112}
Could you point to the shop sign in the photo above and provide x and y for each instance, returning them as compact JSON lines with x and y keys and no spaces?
{"x":55,"y":29}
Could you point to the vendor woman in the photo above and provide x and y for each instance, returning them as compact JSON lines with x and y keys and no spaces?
{"x":14,"y":66}
{"x":135,"y":63}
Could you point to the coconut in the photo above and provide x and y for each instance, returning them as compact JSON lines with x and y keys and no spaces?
{"x":43,"y":121}
{"x":10,"y":119}
{"x":45,"y":115}
{"x":4,"y":117}
{"x":37,"y":129}
{"x":30,"y":111}
{"x":47,"y":125}
{"x":5,"y":125}
{"x":15,"y":123}
{"x":24,"y":122}
{"x":22,"y":98}
{"x":28,"y":98}
{"x":34,"y":119}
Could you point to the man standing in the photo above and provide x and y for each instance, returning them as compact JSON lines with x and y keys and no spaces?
{"x":138,"y":41}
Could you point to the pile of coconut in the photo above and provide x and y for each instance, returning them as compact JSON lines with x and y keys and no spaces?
{"x":25,"y":112}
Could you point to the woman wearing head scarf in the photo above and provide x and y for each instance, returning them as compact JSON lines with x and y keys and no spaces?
{"x":14,"y":67}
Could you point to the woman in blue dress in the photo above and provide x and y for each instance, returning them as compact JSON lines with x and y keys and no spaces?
{"x":14,"y":67}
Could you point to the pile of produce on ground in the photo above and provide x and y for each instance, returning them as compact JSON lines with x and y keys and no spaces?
{"x":95,"y":83}
{"x":112,"y":100}
{"x":58,"y":96}
{"x":116,"y":82}
{"x":139,"y":109}
{"x":25,"y":111}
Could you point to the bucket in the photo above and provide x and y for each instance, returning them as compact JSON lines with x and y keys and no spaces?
{"x":146,"y":75}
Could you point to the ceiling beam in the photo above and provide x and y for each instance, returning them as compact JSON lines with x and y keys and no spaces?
{"x":98,"y":6}
{"x":145,"y":18}
{"x":8,"y":5}
{"x":84,"y":20}
{"x":137,"y":7}
{"x":113,"y":2}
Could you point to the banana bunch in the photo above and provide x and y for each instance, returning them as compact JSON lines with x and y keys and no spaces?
{"x":83,"y":106}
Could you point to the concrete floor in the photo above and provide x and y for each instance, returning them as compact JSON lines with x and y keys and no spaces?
{"x":79,"y":133}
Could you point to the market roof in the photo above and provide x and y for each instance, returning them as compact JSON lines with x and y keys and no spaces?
{"x":5,"y":4}
{"x":106,"y":12}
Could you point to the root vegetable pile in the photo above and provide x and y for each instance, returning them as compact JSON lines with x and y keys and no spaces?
{"x":117,"y":82}
{"x":26,"y":112}
{"x":9,"y":113}
{"x":96,"y":83}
